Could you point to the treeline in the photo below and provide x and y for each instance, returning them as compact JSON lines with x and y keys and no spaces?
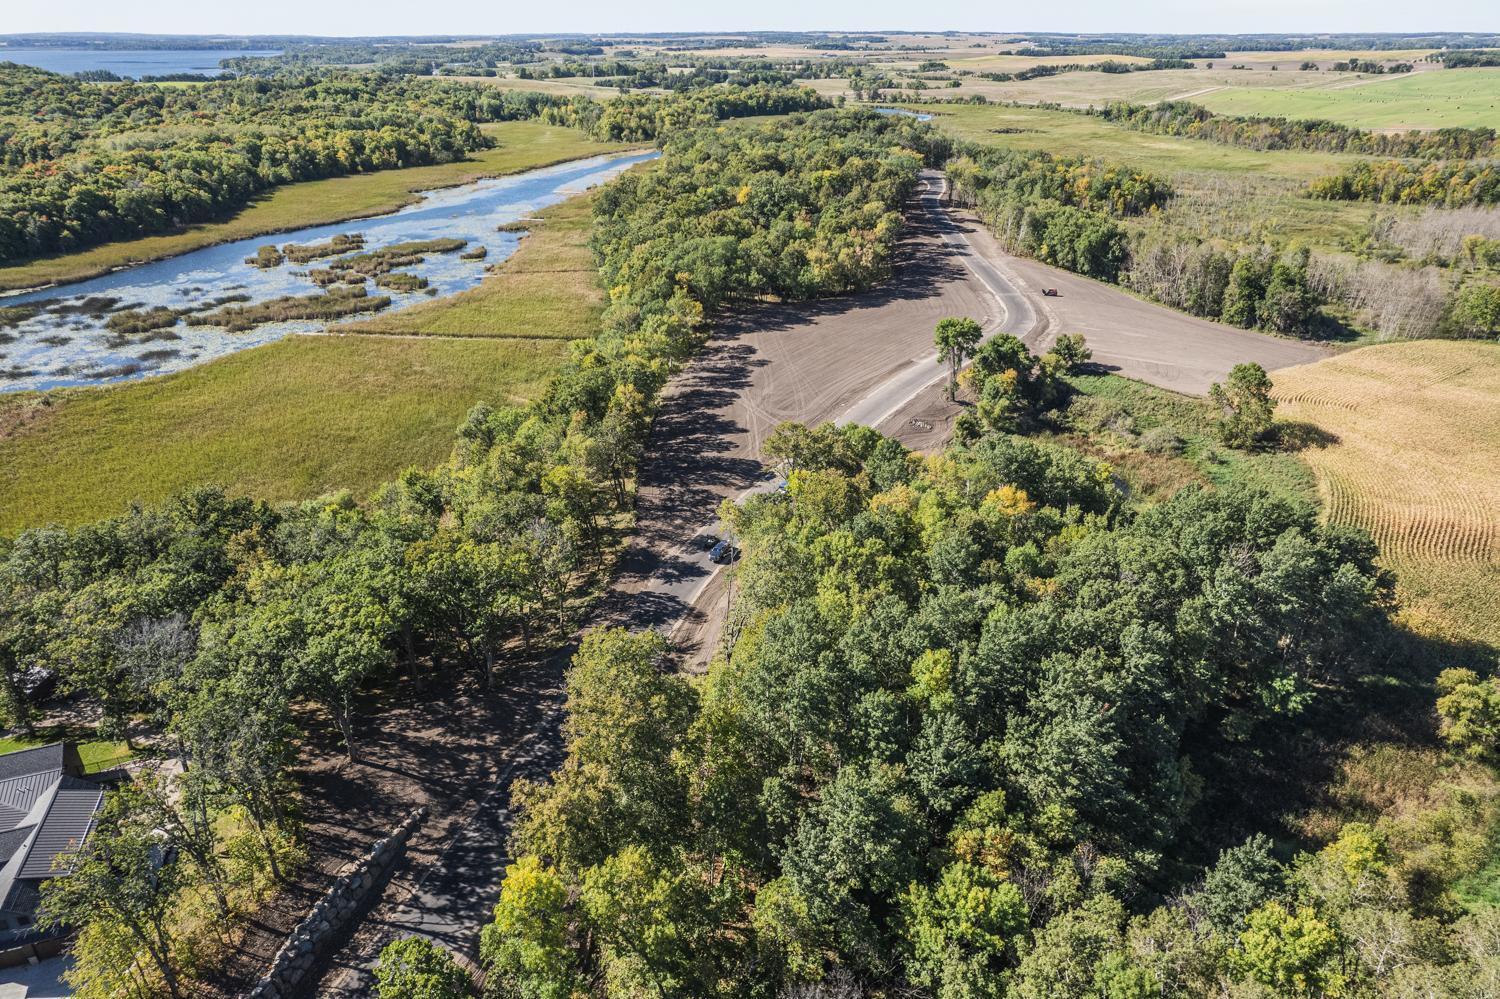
{"x":1192,"y":121}
{"x":643,"y":117}
{"x":195,"y":154}
{"x":1451,"y":184}
{"x":1468,"y":58}
{"x":214,"y":618}
{"x":1063,"y":210}
{"x":299,"y":54}
{"x":88,"y":164}
{"x":1252,"y":289}
{"x":1067,"y":212}
{"x":971,"y":725}
{"x":1107,"y":66}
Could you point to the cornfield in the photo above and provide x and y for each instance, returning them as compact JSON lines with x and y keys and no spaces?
{"x":1414,"y":458}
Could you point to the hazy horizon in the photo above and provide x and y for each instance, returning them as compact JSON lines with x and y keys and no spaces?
{"x":384,"y":17}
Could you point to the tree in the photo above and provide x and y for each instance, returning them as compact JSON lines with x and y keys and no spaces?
{"x":1072,"y":350}
{"x":1469,"y":712}
{"x":415,"y":968}
{"x":956,"y":339}
{"x":123,"y":876}
{"x":1292,"y":951}
{"x":961,"y":930}
{"x":1244,"y":878}
{"x":1245,"y":405}
{"x":525,"y":949}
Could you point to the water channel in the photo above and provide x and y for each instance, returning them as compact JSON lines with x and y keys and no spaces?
{"x":67,"y":342}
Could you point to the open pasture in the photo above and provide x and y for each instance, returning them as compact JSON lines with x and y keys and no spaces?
{"x":1439,"y":99}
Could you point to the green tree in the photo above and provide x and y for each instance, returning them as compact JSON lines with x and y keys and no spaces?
{"x":1072,"y":350}
{"x":1469,"y":712}
{"x":525,"y":949}
{"x":955,"y":339}
{"x":1245,"y":405}
{"x":415,"y":968}
{"x":123,"y":876}
{"x":1290,"y":950}
{"x":961,"y":930}
{"x":1245,"y":878}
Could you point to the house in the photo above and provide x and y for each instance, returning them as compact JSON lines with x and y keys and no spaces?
{"x":47,"y":810}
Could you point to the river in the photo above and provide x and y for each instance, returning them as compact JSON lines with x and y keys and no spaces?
{"x":67,"y":342}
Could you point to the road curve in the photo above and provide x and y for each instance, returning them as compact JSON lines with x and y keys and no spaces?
{"x":866,"y":359}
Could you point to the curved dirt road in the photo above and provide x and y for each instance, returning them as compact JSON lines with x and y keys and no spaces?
{"x":865,"y":358}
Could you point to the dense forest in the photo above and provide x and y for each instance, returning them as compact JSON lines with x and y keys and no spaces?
{"x":211,"y":618}
{"x":982,"y":729}
{"x":82,"y":164}
{"x":1192,"y":121}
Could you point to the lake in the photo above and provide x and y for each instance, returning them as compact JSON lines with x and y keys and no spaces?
{"x":66,"y":341}
{"x":133,"y":63}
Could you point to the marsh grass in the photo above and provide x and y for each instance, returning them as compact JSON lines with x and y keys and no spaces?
{"x":291,"y":420}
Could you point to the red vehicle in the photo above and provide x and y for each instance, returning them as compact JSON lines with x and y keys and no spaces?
{"x":1050,"y":292}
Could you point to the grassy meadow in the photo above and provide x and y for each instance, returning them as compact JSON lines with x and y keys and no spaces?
{"x":1435,"y":99}
{"x":290,"y":420}
{"x":308,"y":414}
{"x":523,"y":145}
{"x":548,"y":288}
{"x":1414,"y":458}
{"x":1223,"y":191}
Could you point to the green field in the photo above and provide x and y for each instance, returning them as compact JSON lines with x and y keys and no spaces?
{"x":1424,"y":100}
{"x":96,"y":754}
{"x":1223,"y":191}
{"x":1435,"y":99}
{"x":524,"y":145}
{"x":290,"y":420}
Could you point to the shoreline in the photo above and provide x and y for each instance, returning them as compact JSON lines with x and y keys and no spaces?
{"x":10,"y":290}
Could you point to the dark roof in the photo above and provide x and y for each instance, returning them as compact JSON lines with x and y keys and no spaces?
{"x":41,"y":759}
{"x":65,"y":826}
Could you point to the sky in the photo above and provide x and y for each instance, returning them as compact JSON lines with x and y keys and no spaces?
{"x":403,"y":17}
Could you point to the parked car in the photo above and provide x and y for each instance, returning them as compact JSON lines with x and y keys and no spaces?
{"x":1050,"y":292}
{"x":723,"y":553}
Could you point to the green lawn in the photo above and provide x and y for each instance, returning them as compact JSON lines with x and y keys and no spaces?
{"x":97,"y":754}
{"x":1435,"y":99}
{"x":289,"y":420}
{"x":524,"y":145}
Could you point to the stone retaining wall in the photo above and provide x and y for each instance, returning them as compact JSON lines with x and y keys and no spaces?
{"x":334,"y":914}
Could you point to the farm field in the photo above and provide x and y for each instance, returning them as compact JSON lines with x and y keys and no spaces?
{"x":1223,"y":191}
{"x":1438,"y":99}
{"x":524,"y":145}
{"x":291,"y":420}
{"x":1087,"y":88}
{"x":1422,"y":100}
{"x":1415,"y":460}
{"x":549,"y":288}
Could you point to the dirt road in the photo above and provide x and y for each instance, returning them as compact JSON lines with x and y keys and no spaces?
{"x":866,"y":358}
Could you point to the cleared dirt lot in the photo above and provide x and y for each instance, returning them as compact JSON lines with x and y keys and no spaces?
{"x":1136,"y":338}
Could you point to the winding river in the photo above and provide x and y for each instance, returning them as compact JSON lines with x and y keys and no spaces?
{"x":66,"y":342}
